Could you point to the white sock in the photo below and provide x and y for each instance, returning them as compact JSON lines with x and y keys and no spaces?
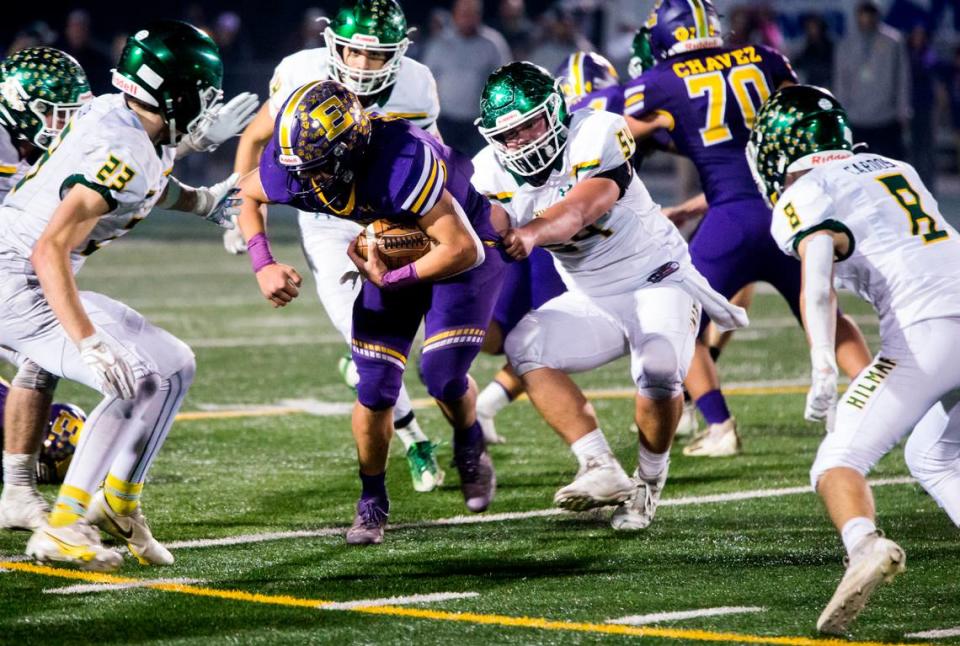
{"x":404,"y":406}
{"x":492,"y":399}
{"x":591,"y":445}
{"x":649,"y":464}
{"x":411,"y":434}
{"x":854,"y":530}
{"x":19,"y":470}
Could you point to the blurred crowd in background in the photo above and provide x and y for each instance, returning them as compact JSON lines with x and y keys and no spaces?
{"x":894,"y":64}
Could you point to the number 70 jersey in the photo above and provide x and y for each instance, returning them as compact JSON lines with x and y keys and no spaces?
{"x":904,"y":258}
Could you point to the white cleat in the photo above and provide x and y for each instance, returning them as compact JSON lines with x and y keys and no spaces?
{"x":78,"y":543}
{"x":717,"y":441}
{"x":22,"y":507}
{"x":638,"y":511}
{"x":602,"y":481}
{"x":489,"y":428}
{"x":689,"y":422}
{"x":874,"y":560}
{"x":131,"y":530}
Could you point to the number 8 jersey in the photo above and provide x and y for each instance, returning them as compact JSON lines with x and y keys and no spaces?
{"x":904,"y":258}
{"x":626,"y":245}
{"x":105,"y":148}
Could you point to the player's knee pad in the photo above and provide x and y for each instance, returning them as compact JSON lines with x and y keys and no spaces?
{"x":661,"y":376}
{"x":928,"y":462}
{"x":379,"y":384}
{"x":444,"y":372}
{"x":524,"y":346}
{"x":32,"y":377}
{"x":829,"y":457}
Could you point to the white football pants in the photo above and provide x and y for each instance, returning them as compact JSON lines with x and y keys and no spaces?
{"x":898,"y":393}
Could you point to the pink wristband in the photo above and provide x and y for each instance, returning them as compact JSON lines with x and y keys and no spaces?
{"x":259,"y":249}
{"x":400,"y":278}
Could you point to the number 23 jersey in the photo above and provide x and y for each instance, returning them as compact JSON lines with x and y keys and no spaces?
{"x":904,"y":258}
{"x":626,"y":245}
{"x":105,"y":148}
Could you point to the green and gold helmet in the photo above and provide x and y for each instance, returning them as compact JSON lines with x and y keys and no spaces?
{"x":376,"y":27}
{"x":516,"y":97}
{"x":641,"y":54}
{"x":175,"y":68}
{"x":799,"y":127}
{"x":40,"y":89}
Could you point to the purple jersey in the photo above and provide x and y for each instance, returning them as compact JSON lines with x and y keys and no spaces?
{"x":402,"y":179}
{"x":608,"y":98}
{"x":711,"y":97}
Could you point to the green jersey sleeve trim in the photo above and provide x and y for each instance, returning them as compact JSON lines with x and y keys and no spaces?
{"x":104,"y":192}
{"x":828,"y":225}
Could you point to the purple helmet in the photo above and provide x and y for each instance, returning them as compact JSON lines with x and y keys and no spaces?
{"x":678,"y":26}
{"x":63,"y":433}
{"x":585,"y":72}
{"x":321,"y":134}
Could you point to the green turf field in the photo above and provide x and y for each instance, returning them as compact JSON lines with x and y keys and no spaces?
{"x":279,"y":487}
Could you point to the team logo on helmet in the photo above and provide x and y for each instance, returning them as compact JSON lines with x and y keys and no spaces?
{"x":585,"y":72}
{"x":678,"y":26}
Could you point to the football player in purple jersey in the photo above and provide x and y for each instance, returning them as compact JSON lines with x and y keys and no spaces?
{"x":706,"y":96}
{"x":329,"y":156}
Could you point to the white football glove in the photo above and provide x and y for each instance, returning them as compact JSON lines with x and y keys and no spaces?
{"x":219,"y":203}
{"x":233,"y":240}
{"x":225,"y":121}
{"x":822,"y":396}
{"x":113,"y":373}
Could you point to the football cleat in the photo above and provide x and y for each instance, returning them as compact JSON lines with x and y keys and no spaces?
{"x":689,"y":421}
{"x":368,"y":524}
{"x":478,"y":480}
{"x":22,"y":507}
{"x":77,"y":543}
{"x":873,"y":561}
{"x":600,"y":482}
{"x":638,"y":511}
{"x":489,"y":428}
{"x":424,"y":470}
{"x":131,"y":530}
{"x":716,"y":441}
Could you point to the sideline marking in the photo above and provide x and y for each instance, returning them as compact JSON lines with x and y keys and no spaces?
{"x":324,"y":408}
{"x":432,"y":597}
{"x":323,"y":532}
{"x":655,"y":617}
{"x":85,"y":588}
{"x":936,"y":634}
{"x":540,"y":623}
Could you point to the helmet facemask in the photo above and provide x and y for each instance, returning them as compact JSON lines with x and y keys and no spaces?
{"x":331,"y":180}
{"x":54,"y":117}
{"x":364,"y":82}
{"x":534,"y":157}
{"x":209,"y":100}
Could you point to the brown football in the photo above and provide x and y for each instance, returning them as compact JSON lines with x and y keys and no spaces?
{"x":398,"y":244}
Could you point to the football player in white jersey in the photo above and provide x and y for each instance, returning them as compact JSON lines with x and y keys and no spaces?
{"x":565,"y":182}
{"x":869,"y":223}
{"x":40,"y":89}
{"x":365,"y":49}
{"x":104,"y":172}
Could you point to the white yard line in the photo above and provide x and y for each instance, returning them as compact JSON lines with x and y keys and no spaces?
{"x":940,"y":633}
{"x":657,"y":617}
{"x":87,"y":588}
{"x":433,"y":597}
{"x":244,"y":539}
{"x":265,"y":339}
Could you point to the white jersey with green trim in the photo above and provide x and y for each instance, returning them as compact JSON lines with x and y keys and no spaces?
{"x":12,"y":168}
{"x":413,"y":96}
{"x":905,"y":257}
{"x":622,"y":250}
{"x":105,"y":148}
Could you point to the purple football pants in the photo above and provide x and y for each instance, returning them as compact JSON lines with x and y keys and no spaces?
{"x":528,"y":284}
{"x":456,"y":312}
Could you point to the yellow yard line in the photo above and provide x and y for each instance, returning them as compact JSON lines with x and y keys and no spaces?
{"x":271,"y":411}
{"x":537,"y":623}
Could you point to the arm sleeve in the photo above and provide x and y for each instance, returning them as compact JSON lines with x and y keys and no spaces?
{"x":817,"y":284}
{"x":416,"y":180}
{"x":802,"y":210}
{"x":117,"y":171}
{"x":602,"y":143}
